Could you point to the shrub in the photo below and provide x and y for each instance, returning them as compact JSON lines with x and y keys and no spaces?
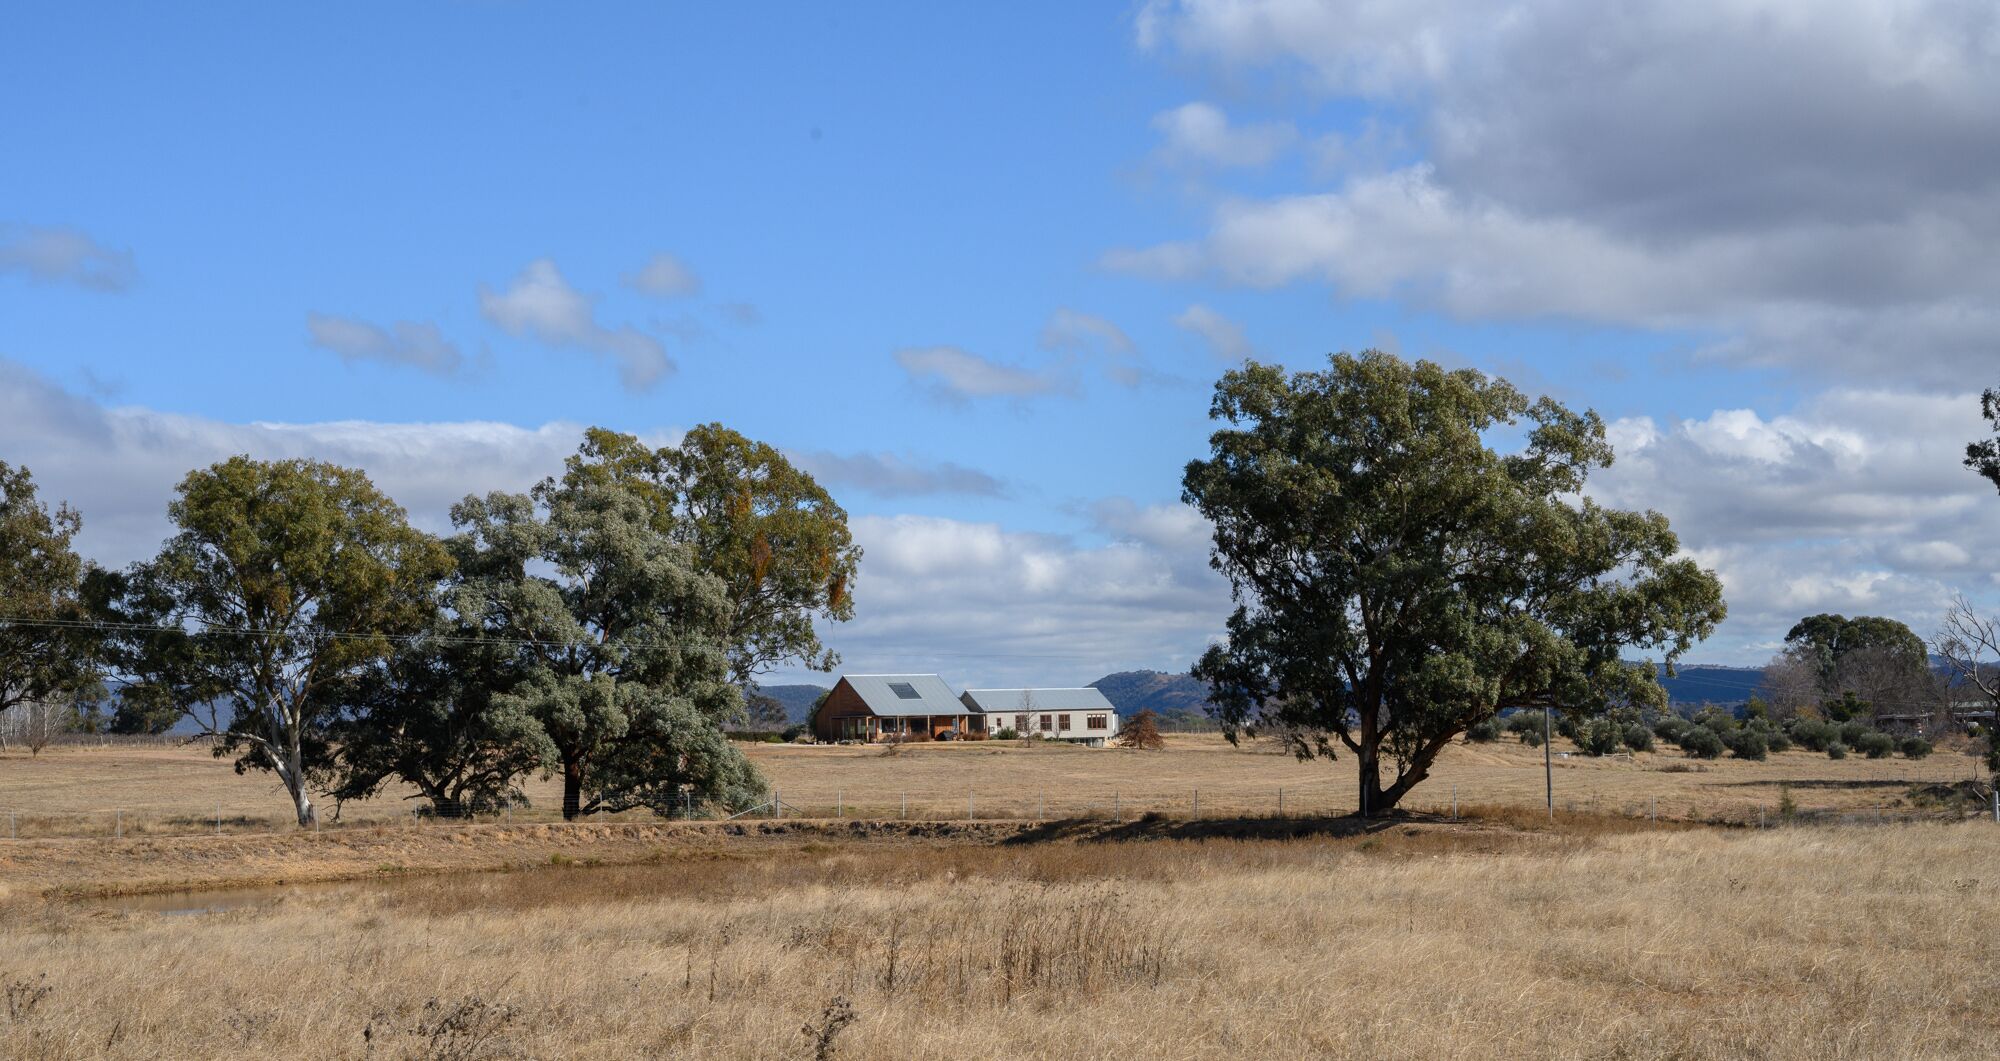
{"x":1484,"y":731}
{"x":1812,"y":735}
{"x":1915,"y":747}
{"x":1717,"y":719}
{"x":1531,"y":737}
{"x":1876,"y":745}
{"x":1007,"y":734}
{"x":1599,"y":736}
{"x":1638,"y":738}
{"x":793,"y":733}
{"x":1669,"y":728}
{"x":1836,"y":750}
{"x":1777,"y":740}
{"x":1852,"y":732}
{"x":1747,"y":743}
{"x":1700,"y":742}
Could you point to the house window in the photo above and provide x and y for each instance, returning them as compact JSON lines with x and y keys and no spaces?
{"x":1048,"y":722}
{"x":1099,"y":722}
{"x":1065,"y":721}
{"x":1020,"y":723}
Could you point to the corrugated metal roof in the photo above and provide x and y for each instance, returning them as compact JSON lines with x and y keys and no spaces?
{"x":919,"y":694}
{"x":1036,"y":700}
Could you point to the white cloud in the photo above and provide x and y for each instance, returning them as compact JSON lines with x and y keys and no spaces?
{"x":541,"y":304}
{"x":666,"y":277}
{"x":1224,"y":338}
{"x":119,"y":465}
{"x":1856,"y":501}
{"x":984,"y":605}
{"x":55,"y":254}
{"x":1811,"y":183}
{"x":418,"y":344}
{"x":889,"y":475}
{"x":1200,"y":134}
{"x":955,"y":374}
{"x":1087,"y":336}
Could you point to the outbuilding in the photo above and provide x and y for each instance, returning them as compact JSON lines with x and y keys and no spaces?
{"x":1080,"y":715}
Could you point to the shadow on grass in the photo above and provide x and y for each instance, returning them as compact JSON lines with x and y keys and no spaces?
{"x":1162,"y":827}
{"x":1855,"y":783}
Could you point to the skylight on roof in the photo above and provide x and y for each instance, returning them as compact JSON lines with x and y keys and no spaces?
{"x":905,"y":690}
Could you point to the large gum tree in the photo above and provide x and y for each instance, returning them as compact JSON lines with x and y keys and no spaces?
{"x":286,"y":581}
{"x":1399,"y":579}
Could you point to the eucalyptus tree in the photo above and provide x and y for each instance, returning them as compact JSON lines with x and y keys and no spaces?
{"x":1399,"y":580}
{"x":286,"y":581}
{"x":44,"y":650}
{"x":1983,"y":456}
{"x":773,"y":535}
{"x":622,"y":639}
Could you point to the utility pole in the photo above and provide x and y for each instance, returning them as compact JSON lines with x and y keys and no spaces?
{"x":1548,"y":767}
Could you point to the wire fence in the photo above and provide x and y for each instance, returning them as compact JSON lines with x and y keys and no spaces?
{"x":1967,"y":799}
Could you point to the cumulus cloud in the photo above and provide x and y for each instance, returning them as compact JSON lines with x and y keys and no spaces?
{"x":55,"y":254}
{"x":1224,"y":338}
{"x":665,"y":276}
{"x":1200,"y":134}
{"x":889,"y":475}
{"x":418,"y":344}
{"x":1854,"y":502}
{"x":1772,"y":172}
{"x":956,"y":375}
{"x":541,"y":304}
{"x":985,"y":605}
{"x":1086,"y":336}
{"x":119,"y":465}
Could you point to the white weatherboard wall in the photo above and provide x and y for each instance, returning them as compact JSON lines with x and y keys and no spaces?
{"x":1082,"y":715}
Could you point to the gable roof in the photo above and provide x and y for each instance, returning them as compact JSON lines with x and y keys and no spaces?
{"x":904,"y":694}
{"x":988,"y":700}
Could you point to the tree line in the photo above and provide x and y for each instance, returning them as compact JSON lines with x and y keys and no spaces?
{"x":601,"y":627}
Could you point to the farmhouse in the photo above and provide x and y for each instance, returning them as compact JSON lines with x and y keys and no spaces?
{"x":1081,"y":715}
{"x":874,"y":707}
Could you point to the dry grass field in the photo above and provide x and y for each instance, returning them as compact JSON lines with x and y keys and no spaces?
{"x":143,"y":790}
{"x":1477,"y":942}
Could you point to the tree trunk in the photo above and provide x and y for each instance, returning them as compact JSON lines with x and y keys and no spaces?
{"x":290,"y":769}
{"x":572,"y":790}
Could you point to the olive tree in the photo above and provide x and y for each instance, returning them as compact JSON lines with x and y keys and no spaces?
{"x":287,"y":580}
{"x":1399,"y":580}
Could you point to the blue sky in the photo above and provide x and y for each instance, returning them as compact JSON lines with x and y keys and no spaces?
{"x":978,"y":265}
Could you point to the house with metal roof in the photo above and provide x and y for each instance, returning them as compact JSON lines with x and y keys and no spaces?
{"x":1080,"y":715}
{"x":874,"y":707}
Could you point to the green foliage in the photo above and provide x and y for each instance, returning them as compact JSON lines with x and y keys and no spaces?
{"x":1852,"y":732}
{"x":1007,"y":733}
{"x":1825,"y":640}
{"x":286,"y":582}
{"x":1984,"y":456}
{"x":1485,"y":731}
{"x":1395,"y":569}
{"x":1669,"y":728}
{"x":770,"y":533}
{"x":1599,"y":736}
{"x":1716,"y":718}
{"x":1876,"y":745}
{"x":40,"y":585}
{"x":1700,"y":742}
{"x":1813,"y":735}
{"x":1836,"y":750}
{"x":1777,"y":739}
{"x":1846,"y":709}
{"x":1532,"y":737}
{"x":1747,"y":743}
{"x":1638,"y":738}
{"x":1915,"y":747}
{"x":1522,"y":723}
{"x":623,"y":643}
{"x":1756,"y":707}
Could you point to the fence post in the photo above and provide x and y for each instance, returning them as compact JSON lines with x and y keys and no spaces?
{"x":840,"y":803}
{"x":1996,"y":802}
{"x":1117,"y":816}
{"x":1041,"y":805}
{"x":1281,"y":801}
{"x":906,"y":806}
{"x":1454,"y":803}
{"x":218,"y":819}
{"x":777,"y":804}
{"x":1652,"y":808}
{"x":1197,"y":803}
{"x":121,"y":822}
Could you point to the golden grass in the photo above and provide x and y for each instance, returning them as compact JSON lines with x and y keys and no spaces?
{"x":1822,"y":943}
{"x":176,"y":790}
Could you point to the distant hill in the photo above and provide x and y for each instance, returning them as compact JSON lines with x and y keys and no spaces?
{"x":1176,"y":698}
{"x":1700,"y":684}
{"x":798,"y":699}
